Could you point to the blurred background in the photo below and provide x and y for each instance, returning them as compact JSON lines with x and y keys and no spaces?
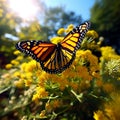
{"x":40,"y":20}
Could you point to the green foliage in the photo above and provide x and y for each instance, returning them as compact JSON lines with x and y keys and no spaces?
{"x":106,"y":20}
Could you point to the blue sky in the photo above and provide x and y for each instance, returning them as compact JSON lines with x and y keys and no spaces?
{"x":80,"y":7}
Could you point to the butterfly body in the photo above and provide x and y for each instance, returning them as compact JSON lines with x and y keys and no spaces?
{"x":55,"y":58}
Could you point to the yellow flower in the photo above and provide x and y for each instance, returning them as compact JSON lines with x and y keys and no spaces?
{"x":41,"y":92}
{"x":109,"y":53}
{"x":83,"y":73}
{"x":69,"y":28}
{"x":19,"y":83}
{"x":107,"y":49}
{"x":56,"y":40}
{"x":56,"y":104}
{"x":19,"y":58}
{"x":63,"y":83}
{"x":96,"y":75}
{"x":28,"y":82}
{"x":92,"y":33}
{"x":17,"y":52}
{"x":74,"y":85}
{"x":42,"y":114}
{"x":42,"y":78}
{"x":8,"y":66}
{"x":60,"y":31}
{"x":35,"y":98}
{"x":17,"y":74}
{"x":29,"y":67}
{"x":99,"y":115}
{"x":28,"y":75}
{"x":14,"y":62}
{"x":48,"y":107}
{"x":23,"y":66}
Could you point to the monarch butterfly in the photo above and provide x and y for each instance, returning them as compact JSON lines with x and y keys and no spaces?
{"x":55,"y":58}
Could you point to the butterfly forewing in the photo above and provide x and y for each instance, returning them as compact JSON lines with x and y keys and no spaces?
{"x":73,"y":39}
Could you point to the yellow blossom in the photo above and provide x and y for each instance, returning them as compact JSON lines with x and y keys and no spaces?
{"x":17,"y":74}
{"x":60,"y":31}
{"x":23,"y":66}
{"x":83,"y":73}
{"x":74,"y":85}
{"x":8,"y":66}
{"x":42,"y":114}
{"x":41,"y":92}
{"x":28,"y":82}
{"x":69,"y":28}
{"x":56,"y":40}
{"x":42,"y":78}
{"x":99,"y":115}
{"x":92,"y":33}
{"x":29,"y":67}
{"x":17,"y":52}
{"x":96,"y":74}
{"x":14,"y":62}
{"x":48,"y":107}
{"x":35,"y":98}
{"x":107,"y":49}
{"x":63,"y":83}
{"x":19,"y":83}
{"x":56,"y":103}
{"x":108,"y":53}
{"x":19,"y":58}
{"x":28,"y":75}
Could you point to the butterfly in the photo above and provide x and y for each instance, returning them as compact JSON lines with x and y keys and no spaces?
{"x":55,"y":58}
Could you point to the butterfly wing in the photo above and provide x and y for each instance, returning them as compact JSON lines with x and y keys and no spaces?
{"x":74,"y":38}
{"x":55,"y":58}
{"x":51,"y":57}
